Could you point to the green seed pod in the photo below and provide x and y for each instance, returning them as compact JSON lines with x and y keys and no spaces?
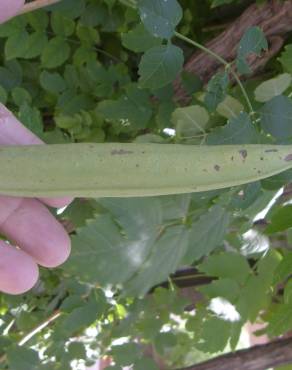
{"x":125,"y":170}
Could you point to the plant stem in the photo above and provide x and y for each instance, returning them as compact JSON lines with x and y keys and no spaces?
{"x":37,"y":4}
{"x":39,"y":328}
{"x":222,"y":61}
{"x":35,"y":331}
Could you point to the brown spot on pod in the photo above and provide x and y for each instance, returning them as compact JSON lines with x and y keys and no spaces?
{"x":216,"y":167}
{"x":243,"y":153}
{"x":121,"y":152}
{"x":271,"y":150}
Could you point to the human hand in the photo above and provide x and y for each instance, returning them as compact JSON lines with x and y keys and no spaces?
{"x":27,"y":223}
{"x":9,"y":8}
{"x":39,"y":237}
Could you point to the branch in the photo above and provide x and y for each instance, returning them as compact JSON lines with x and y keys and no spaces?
{"x":255,"y":358}
{"x":37,"y":4}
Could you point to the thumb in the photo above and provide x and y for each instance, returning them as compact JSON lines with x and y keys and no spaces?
{"x":9,"y":8}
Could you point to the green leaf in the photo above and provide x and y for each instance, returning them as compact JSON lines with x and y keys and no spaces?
{"x":207,"y":233}
{"x":253,"y":298}
{"x":79,"y":211}
{"x":229,"y":107}
{"x":55,"y":53}
{"x":21,"y":358}
{"x":280,"y":321}
{"x":11,"y":75}
{"x":70,"y":103}
{"x":34,"y":45}
{"x":15,"y":45}
{"x":216,"y":90}
{"x":132,"y":110}
{"x":61,"y":25}
{"x":80,"y":318}
{"x":276,"y":117}
{"x":139,"y":39}
{"x":164,"y":342}
{"x":52,"y":82}
{"x":135,"y":215}
{"x":281,"y":220}
{"x":288,"y":292}
{"x":88,"y":36}
{"x":70,"y":303}
{"x":275,"y":182}
{"x":39,"y":20}
{"x":273,"y":87}
{"x":145,"y":363}
{"x":14,"y":25}
{"x":247,"y":196}
{"x":227,"y":265}
{"x":21,"y":96}
{"x":76,"y":350}
{"x":160,"y":17}
{"x":126,"y":354}
{"x":191,"y":82}
{"x":24,"y":45}
{"x":252,"y":42}
{"x":83,"y":56}
{"x":286,"y":58}
{"x":207,"y":342}
{"x":160,"y":65}
{"x":65,"y":7}
{"x":129,"y":248}
{"x":190,"y":121}
{"x":94,"y":14}
{"x":283,"y":270}
{"x":99,"y":253}
{"x":164,"y":113}
{"x":225,"y":288}
{"x":163,"y":259}
{"x":31,"y":118}
{"x":238,"y":130}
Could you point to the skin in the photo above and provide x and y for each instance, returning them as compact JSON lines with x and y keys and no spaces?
{"x":35,"y":236}
{"x":9,"y":8}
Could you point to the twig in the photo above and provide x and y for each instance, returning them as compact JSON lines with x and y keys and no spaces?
{"x":35,"y":331}
{"x":222,"y":61}
{"x":39,"y":328}
{"x":37,"y":4}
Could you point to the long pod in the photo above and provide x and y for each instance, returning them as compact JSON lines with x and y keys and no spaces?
{"x":126,"y":170}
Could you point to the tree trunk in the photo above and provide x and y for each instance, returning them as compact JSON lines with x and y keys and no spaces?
{"x":273,"y":17}
{"x":260,"y":357}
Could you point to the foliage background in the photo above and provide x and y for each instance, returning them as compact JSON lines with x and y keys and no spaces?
{"x":94,"y":72}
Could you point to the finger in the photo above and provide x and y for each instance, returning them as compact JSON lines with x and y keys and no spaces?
{"x":57,"y":202}
{"x":12,"y":132}
{"x":18,"y":271}
{"x":30,"y":225}
{"x":9,"y":8}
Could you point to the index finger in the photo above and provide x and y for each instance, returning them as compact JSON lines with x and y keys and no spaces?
{"x":12,"y":132}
